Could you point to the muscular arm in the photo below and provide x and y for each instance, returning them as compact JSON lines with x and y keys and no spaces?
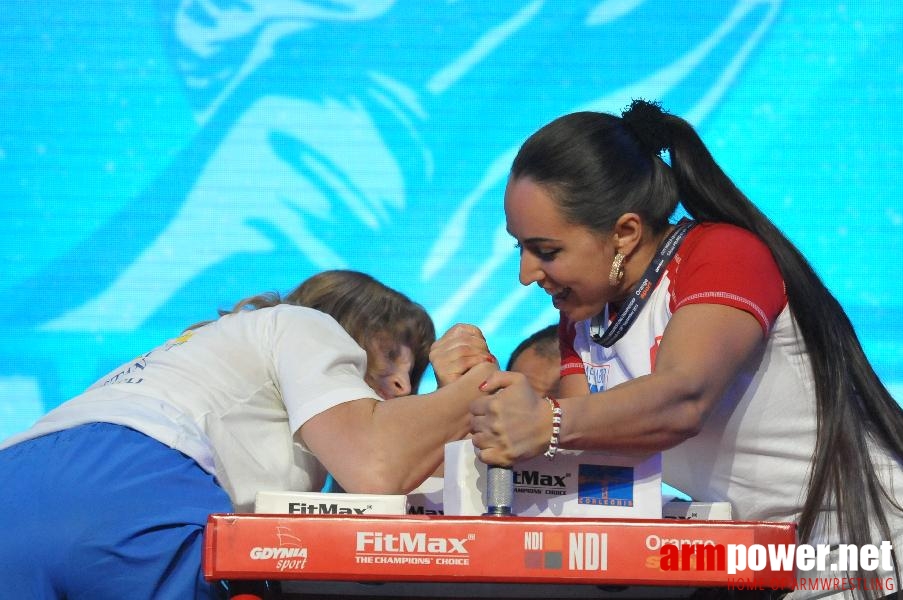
{"x":390,"y":447}
{"x":703,"y":349}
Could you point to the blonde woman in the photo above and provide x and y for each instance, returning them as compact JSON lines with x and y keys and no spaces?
{"x":107,"y":495}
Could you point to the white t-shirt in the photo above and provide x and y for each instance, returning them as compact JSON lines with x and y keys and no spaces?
{"x":755,"y":450}
{"x":230,"y":395}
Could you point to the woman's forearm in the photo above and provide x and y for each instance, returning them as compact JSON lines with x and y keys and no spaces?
{"x":390,"y":447}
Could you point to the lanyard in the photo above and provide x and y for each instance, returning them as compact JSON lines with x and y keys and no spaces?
{"x":631,"y":309}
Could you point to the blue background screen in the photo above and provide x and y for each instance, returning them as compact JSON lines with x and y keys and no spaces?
{"x":161,"y":160}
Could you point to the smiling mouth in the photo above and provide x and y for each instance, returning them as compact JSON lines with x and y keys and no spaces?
{"x":559,"y":297}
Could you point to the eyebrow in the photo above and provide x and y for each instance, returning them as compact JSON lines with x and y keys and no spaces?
{"x":533,"y":240}
{"x":540,"y":240}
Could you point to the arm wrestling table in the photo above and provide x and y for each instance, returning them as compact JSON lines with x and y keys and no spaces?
{"x":341,"y":556}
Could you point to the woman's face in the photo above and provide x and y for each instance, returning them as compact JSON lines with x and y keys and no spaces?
{"x":389,"y":370}
{"x":570,"y":262}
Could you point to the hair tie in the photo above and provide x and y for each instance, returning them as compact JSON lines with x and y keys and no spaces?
{"x":645,"y":119}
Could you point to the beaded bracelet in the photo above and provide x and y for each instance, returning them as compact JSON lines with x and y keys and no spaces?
{"x":556,"y":428}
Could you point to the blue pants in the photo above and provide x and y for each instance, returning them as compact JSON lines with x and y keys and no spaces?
{"x":103,"y":512}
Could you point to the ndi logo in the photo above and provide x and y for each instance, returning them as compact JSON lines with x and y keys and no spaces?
{"x":588,"y":551}
{"x":605,"y":485}
{"x":585,"y":550}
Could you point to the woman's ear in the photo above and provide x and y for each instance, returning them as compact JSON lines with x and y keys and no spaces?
{"x":628,"y":233}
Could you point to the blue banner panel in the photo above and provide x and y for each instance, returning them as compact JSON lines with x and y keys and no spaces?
{"x":161,"y":160}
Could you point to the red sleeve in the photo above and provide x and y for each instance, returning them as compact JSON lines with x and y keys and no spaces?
{"x":723,"y":264}
{"x":571,"y":364}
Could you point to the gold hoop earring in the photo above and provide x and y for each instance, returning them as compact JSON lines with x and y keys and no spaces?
{"x":617,"y":270}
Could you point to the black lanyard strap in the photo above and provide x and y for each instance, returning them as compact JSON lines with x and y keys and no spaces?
{"x":641,"y":292}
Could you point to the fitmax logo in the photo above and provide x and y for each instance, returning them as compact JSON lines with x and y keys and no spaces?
{"x":422,"y":510}
{"x":413,"y":543}
{"x":539,"y":479}
{"x":324,"y":509}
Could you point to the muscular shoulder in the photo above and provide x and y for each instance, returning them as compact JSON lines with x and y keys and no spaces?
{"x":723,"y":264}
{"x":726,"y":244}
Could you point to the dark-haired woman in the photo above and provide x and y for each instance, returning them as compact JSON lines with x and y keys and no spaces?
{"x":711,"y":339}
{"x":107,"y":495}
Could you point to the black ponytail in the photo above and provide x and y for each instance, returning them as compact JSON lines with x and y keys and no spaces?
{"x":853,"y":407}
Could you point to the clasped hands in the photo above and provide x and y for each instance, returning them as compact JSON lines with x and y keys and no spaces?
{"x":510,"y":422}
